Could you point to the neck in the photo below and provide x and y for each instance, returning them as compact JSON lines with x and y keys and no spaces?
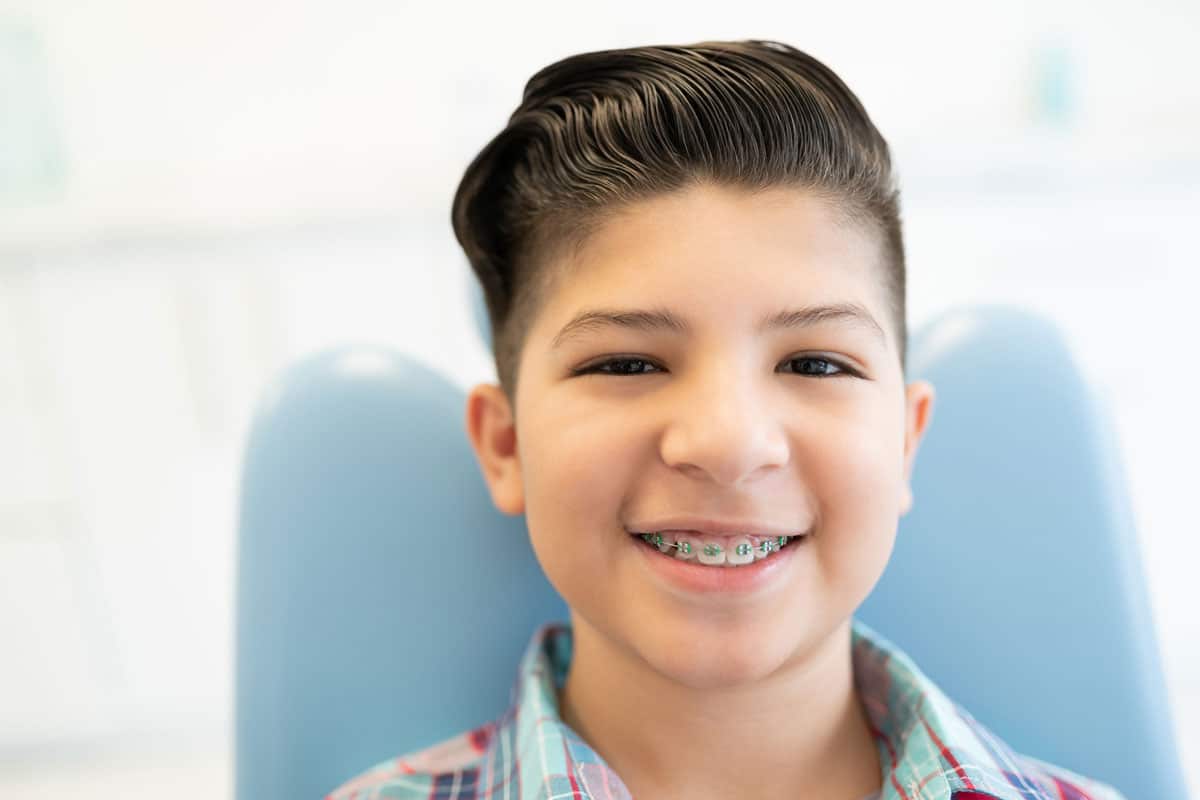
{"x":801,"y":733}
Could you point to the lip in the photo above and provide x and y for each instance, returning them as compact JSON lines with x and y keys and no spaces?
{"x":693,"y":578}
{"x":711,"y":526}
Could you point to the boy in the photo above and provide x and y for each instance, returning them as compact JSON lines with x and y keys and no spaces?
{"x":694,"y":270}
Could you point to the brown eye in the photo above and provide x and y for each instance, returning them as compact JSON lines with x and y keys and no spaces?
{"x":813,"y":367}
{"x":618,"y":366}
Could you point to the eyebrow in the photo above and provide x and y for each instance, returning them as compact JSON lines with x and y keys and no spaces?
{"x":662,"y":319}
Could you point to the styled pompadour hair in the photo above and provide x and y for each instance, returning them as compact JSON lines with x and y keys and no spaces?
{"x":597,"y":131}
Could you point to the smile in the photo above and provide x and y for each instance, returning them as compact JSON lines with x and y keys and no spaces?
{"x":713,"y":551}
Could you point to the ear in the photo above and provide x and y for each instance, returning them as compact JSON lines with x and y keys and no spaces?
{"x":491,"y":427}
{"x":918,"y":409}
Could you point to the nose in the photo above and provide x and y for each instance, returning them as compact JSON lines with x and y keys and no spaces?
{"x":723,"y":430}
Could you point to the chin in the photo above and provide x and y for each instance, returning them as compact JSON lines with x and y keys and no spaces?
{"x":715,"y":661}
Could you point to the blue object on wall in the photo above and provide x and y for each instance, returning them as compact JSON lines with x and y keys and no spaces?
{"x":31,"y":160}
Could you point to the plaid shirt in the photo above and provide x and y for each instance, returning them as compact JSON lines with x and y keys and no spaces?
{"x":930,"y":748}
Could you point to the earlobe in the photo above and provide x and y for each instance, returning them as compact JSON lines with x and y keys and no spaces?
{"x":491,"y":429}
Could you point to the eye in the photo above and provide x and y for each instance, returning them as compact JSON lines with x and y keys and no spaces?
{"x":630,"y":366}
{"x":617,"y":366}
{"x":819,"y":366}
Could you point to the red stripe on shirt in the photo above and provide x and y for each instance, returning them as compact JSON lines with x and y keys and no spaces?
{"x":946,"y":754}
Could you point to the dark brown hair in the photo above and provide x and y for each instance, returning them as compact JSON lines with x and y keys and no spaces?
{"x":597,"y":131}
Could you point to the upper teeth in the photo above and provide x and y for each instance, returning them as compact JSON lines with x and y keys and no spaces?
{"x":738,"y":550}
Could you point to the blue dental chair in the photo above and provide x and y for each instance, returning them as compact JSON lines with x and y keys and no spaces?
{"x":357,"y":639}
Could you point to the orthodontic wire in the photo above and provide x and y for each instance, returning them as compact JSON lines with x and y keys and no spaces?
{"x":766,"y":546}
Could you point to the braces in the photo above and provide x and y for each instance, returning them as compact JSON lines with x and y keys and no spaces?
{"x":766,"y":546}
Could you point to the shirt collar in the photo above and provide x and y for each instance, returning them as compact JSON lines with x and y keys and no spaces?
{"x":930,"y":748}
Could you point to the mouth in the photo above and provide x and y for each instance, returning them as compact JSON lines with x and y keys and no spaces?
{"x":733,"y":551}
{"x":717,"y":567}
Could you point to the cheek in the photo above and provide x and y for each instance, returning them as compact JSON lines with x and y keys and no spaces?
{"x":858,"y":486}
{"x":576,"y":472}
{"x":865,"y":472}
{"x":577,"y":464}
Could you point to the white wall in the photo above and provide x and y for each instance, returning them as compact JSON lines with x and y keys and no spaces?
{"x":193,"y":194}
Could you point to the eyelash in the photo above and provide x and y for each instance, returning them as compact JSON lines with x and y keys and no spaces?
{"x":595,"y":368}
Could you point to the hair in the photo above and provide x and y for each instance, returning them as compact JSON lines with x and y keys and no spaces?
{"x":598,"y":131}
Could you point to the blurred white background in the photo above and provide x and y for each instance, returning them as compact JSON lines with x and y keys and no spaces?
{"x":193,"y":194}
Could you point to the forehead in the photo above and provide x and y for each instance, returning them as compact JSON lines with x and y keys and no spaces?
{"x":723,"y":253}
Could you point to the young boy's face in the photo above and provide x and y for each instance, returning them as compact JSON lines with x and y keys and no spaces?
{"x":720,"y":422}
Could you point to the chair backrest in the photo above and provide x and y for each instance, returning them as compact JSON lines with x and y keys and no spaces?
{"x":1016,"y":582}
{"x":382,"y":602}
